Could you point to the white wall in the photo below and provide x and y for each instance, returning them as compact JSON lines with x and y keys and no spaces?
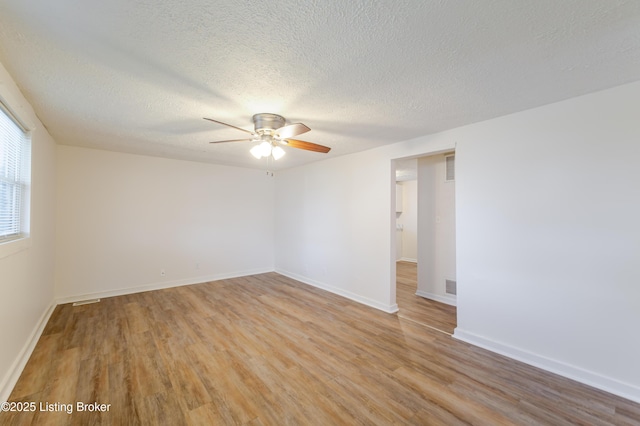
{"x":436,"y":229}
{"x":328,"y":235}
{"x":547,"y":236}
{"x":409,"y":221}
{"x":122,"y":218}
{"x":26,"y":276}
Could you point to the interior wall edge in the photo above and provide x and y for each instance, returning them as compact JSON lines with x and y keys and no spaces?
{"x":12,"y":376}
{"x":598,"y":381}
{"x":389,"y":309}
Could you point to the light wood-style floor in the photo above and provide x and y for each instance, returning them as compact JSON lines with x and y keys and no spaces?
{"x":428,"y":312}
{"x":267,"y":350}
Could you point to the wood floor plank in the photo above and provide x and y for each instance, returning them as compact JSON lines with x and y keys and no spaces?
{"x":37,"y":372}
{"x":136,"y":318}
{"x":163,"y":409}
{"x":184,"y":379}
{"x":126,"y":408}
{"x":268,"y":350}
{"x":62,"y":388}
{"x":92,"y":386}
{"x":207,"y":414}
{"x":59,"y":319}
{"x":467,"y":410}
{"x":231,"y":396}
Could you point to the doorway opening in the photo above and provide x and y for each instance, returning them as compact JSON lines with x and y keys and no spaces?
{"x":425,"y":241}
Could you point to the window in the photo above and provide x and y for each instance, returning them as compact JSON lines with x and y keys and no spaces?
{"x":15,"y":159}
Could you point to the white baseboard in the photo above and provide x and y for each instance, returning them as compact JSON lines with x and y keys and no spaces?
{"x":407,"y":259}
{"x":160,"y":285}
{"x":449,"y":300}
{"x":607,"y":384}
{"x":390,"y":309}
{"x":12,"y":376}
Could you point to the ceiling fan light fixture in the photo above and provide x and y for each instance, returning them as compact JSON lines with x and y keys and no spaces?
{"x":265,"y":148}
{"x":256,"y":151}
{"x":277,"y":153}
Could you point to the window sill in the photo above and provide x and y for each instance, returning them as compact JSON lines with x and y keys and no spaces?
{"x":12,"y":247}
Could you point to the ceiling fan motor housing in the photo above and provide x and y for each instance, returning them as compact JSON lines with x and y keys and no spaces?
{"x":266,"y":123}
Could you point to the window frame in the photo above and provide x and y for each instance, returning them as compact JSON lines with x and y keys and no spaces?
{"x":22,"y":240}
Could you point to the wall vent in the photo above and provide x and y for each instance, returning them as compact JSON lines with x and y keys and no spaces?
{"x":451,"y":168}
{"x":451,"y":287}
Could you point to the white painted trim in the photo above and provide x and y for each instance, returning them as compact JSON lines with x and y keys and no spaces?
{"x":406,"y":259}
{"x":12,"y":376}
{"x":598,"y":381}
{"x":449,"y":300}
{"x":390,"y":309}
{"x":160,"y":285}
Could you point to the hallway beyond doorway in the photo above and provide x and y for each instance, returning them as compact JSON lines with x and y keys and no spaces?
{"x":418,"y":309}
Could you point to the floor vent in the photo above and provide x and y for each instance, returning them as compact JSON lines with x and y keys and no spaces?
{"x":86,"y":302}
{"x":451,"y":287}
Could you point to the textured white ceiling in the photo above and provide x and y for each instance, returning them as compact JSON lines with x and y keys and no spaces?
{"x":138,"y":75}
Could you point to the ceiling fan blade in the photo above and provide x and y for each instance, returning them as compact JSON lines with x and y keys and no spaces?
{"x":294,"y":143}
{"x":232,"y":140}
{"x":291,"y":130}
{"x":229,"y":125}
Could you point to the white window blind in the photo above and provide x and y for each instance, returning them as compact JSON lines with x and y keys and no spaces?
{"x":14,"y":163}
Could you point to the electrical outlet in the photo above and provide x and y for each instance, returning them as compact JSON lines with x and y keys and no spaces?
{"x":162,"y":273}
{"x":197,"y":265}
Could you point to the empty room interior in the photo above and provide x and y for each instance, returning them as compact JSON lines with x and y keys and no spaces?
{"x":393,"y":212}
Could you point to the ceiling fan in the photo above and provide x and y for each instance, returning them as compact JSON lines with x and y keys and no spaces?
{"x":270,"y":132}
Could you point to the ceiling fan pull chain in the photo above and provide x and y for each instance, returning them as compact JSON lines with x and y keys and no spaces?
{"x":269,"y":159}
